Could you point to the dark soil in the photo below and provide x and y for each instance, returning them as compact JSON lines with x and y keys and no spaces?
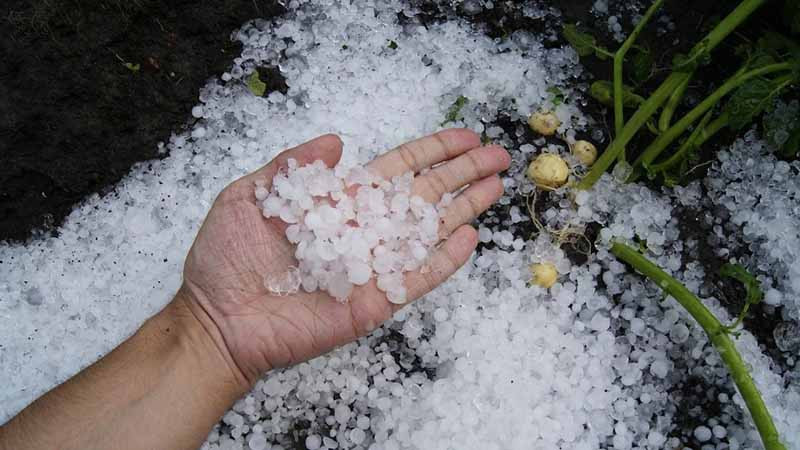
{"x":696,"y":401}
{"x":88,"y":88}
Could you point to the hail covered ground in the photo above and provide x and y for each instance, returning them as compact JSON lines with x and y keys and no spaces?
{"x":488,"y":360}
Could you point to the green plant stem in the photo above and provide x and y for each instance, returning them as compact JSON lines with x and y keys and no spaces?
{"x":712,"y":128}
{"x":639,"y":118}
{"x":672,"y":104}
{"x":666,"y":138}
{"x":716,"y":334}
{"x":673,"y":81}
{"x":619,"y":60}
{"x":698,"y":137}
{"x":619,"y":113}
{"x":603,"y":52}
{"x":739,"y":319}
{"x":723,"y":29}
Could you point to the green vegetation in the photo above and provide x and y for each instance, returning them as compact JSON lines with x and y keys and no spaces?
{"x":556,"y":96}
{"x":718,"y":334}
{"x":752,"y":287}
{"x":771,"y":65}
{"x":454,"y":112}
{"x":256,"y":86}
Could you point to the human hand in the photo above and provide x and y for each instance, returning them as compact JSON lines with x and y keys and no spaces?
{"x":236,"y":248}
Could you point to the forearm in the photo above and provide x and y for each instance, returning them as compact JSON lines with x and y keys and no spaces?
{"x":163,"y":388}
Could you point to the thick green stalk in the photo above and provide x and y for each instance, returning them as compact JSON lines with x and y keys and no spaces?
{"x":712,"y":128}
{"x":619,"y":113}
{"x":639,"y":118}
{"x":716,"y":334}
{"x":666,"y":138}
{"x":706,"y":132}
{"x":672,"y":104}
{"x":619,"y":60}
{"x":723,"y":29}
{"x":698,"y":137}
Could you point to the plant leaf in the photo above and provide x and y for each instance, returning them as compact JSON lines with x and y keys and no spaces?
{"x":748,"y":101}
{"x":392,"y":45}
{"x":782,"y":128}
{"x":641,"y":65}
{"x":790,"y":147}
{"x":256,"y":86}
{"x":603,"y":92}
{"x":583,"y":43}
{"x":751,"y":284}
{"x":778,"y":46}
{"x":454,"y":110}
{"x":557,"y":97}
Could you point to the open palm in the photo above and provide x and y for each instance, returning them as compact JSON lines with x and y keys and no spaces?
{"x":236,"y":248}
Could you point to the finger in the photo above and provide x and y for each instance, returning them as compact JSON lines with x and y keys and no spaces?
{"x":422,"y":153}
{"x":467,"y":168}
{"x":327,"y":148}
{"x":471,"y":203}
{"x":446,"y":259}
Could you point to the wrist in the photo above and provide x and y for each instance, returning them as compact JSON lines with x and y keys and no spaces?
{"x":202,"y":343}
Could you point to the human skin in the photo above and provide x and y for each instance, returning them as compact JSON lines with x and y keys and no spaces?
{"x":168,"y":384}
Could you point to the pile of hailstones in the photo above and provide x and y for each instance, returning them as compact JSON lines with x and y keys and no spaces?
{"x":347,"y":225}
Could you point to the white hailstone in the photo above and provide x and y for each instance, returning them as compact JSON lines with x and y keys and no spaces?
{"x":544,"y":123}
{"x":261,"y":192}
{"x":272,"y":205}
{"x":198,"y":132}
{"x":284,"y":283}
{"x":637,"y":326}
{"x":313,"y":442}
{"x":342,"y":414}
{"x":485,"y":234}
{"x":257,"y":441}
{"x":600,"y":322}
{"x":357,"y":435}
{"x":659,"y":368}
{"x":339,"y":286}
{"x":585,"y":151}
{"x":679,"y":333}
{"x":359,"y":273}
{"x":702,"y":433}
{"x":343,"y":241}
{"x":362,"y":422}
{"x":399,"y":203}
{"x":397,"y":295}
{"x":656,"y":439}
